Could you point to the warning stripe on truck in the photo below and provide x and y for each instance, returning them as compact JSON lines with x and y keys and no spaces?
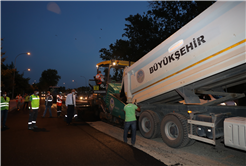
{"x":209,"y":57}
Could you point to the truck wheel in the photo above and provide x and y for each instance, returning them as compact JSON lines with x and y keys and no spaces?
{"x":149,"y":124}
{"x":174,"y":130}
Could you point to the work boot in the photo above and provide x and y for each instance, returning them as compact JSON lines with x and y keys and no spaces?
{"x":30,"y":128}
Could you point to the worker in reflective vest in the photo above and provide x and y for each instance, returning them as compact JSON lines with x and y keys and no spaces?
{"x":4,"y":109}
{"x":100,"y":79}
{"x":26,"y":101}
{"x":59,"y":104}
{"x":34,"y":109}
{"x":48,"y":104}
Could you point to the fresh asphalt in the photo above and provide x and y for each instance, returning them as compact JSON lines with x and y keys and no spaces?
{"x":54,"y":143}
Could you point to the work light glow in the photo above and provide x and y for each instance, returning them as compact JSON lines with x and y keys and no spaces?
{"x":176,"y":45}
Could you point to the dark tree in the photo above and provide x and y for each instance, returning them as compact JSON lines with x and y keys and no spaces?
{"x":119,"y":50}
{"x":48,"y":78}
{"x":173,"y":15}
{"x":145,"y":32}
{"x":7,"y":76}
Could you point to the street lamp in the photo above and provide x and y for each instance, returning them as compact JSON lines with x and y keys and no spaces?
{"x":76,"y":83}
{"x":26,"y":70}
{"x":64,"y":85}
{"x":84,"y":78}
{"x":13,"y":90}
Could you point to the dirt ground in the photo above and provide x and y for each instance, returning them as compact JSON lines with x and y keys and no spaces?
{"x":198,"y":154}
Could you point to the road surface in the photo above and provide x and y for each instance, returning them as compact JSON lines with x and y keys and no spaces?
{"x":55,"y":143}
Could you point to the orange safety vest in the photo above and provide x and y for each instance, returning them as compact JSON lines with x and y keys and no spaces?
{"x":17,"y":99}
{"x":59,"y":100}
{"x":100,"y":80}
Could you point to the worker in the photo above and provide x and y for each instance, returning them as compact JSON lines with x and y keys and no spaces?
{"x":48,"y":103}
{"x":70,"y":105}
{"x":59,"y":104}
{"x":130,"y":121}
{"x":5,"y":100}
{"x":75,"y":110}
{"x":18,"y":101}
{"x":100,"y":79}
{"x":26,"y":101}
{"x":34,"y":109}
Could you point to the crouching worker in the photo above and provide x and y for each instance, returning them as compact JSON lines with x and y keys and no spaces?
{"x":130,"y":121}
{"x":33,"y":112}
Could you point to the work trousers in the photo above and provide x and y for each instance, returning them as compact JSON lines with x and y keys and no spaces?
{"x":59,"y":108}
{"x":4,"y":114}
{"x":133,"y":125}
{"x":25,"y":106}
{"x":32,"y":117}
{"x":70,"y":113}
{"x":47,"y":107}
{"x":18,"y":105}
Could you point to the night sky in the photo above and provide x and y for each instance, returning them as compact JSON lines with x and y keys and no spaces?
{"x":65,"y":36}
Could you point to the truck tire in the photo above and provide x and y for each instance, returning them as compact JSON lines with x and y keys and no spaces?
{"x":149,"y":125}
{"x":174,"y":130}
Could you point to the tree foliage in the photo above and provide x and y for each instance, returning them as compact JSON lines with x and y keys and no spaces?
{"x":119,"y":50}
{"x":7,"y":76}
{"x":145,"y":32}
{"x":5,"y":71}
{"x":172,"y":15}
{"x":48,"y":78}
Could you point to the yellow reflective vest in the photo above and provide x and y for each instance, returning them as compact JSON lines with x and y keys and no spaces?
{"x":34,"y":101}
{"x":5,"y":103}
{"x":27,"y":98}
